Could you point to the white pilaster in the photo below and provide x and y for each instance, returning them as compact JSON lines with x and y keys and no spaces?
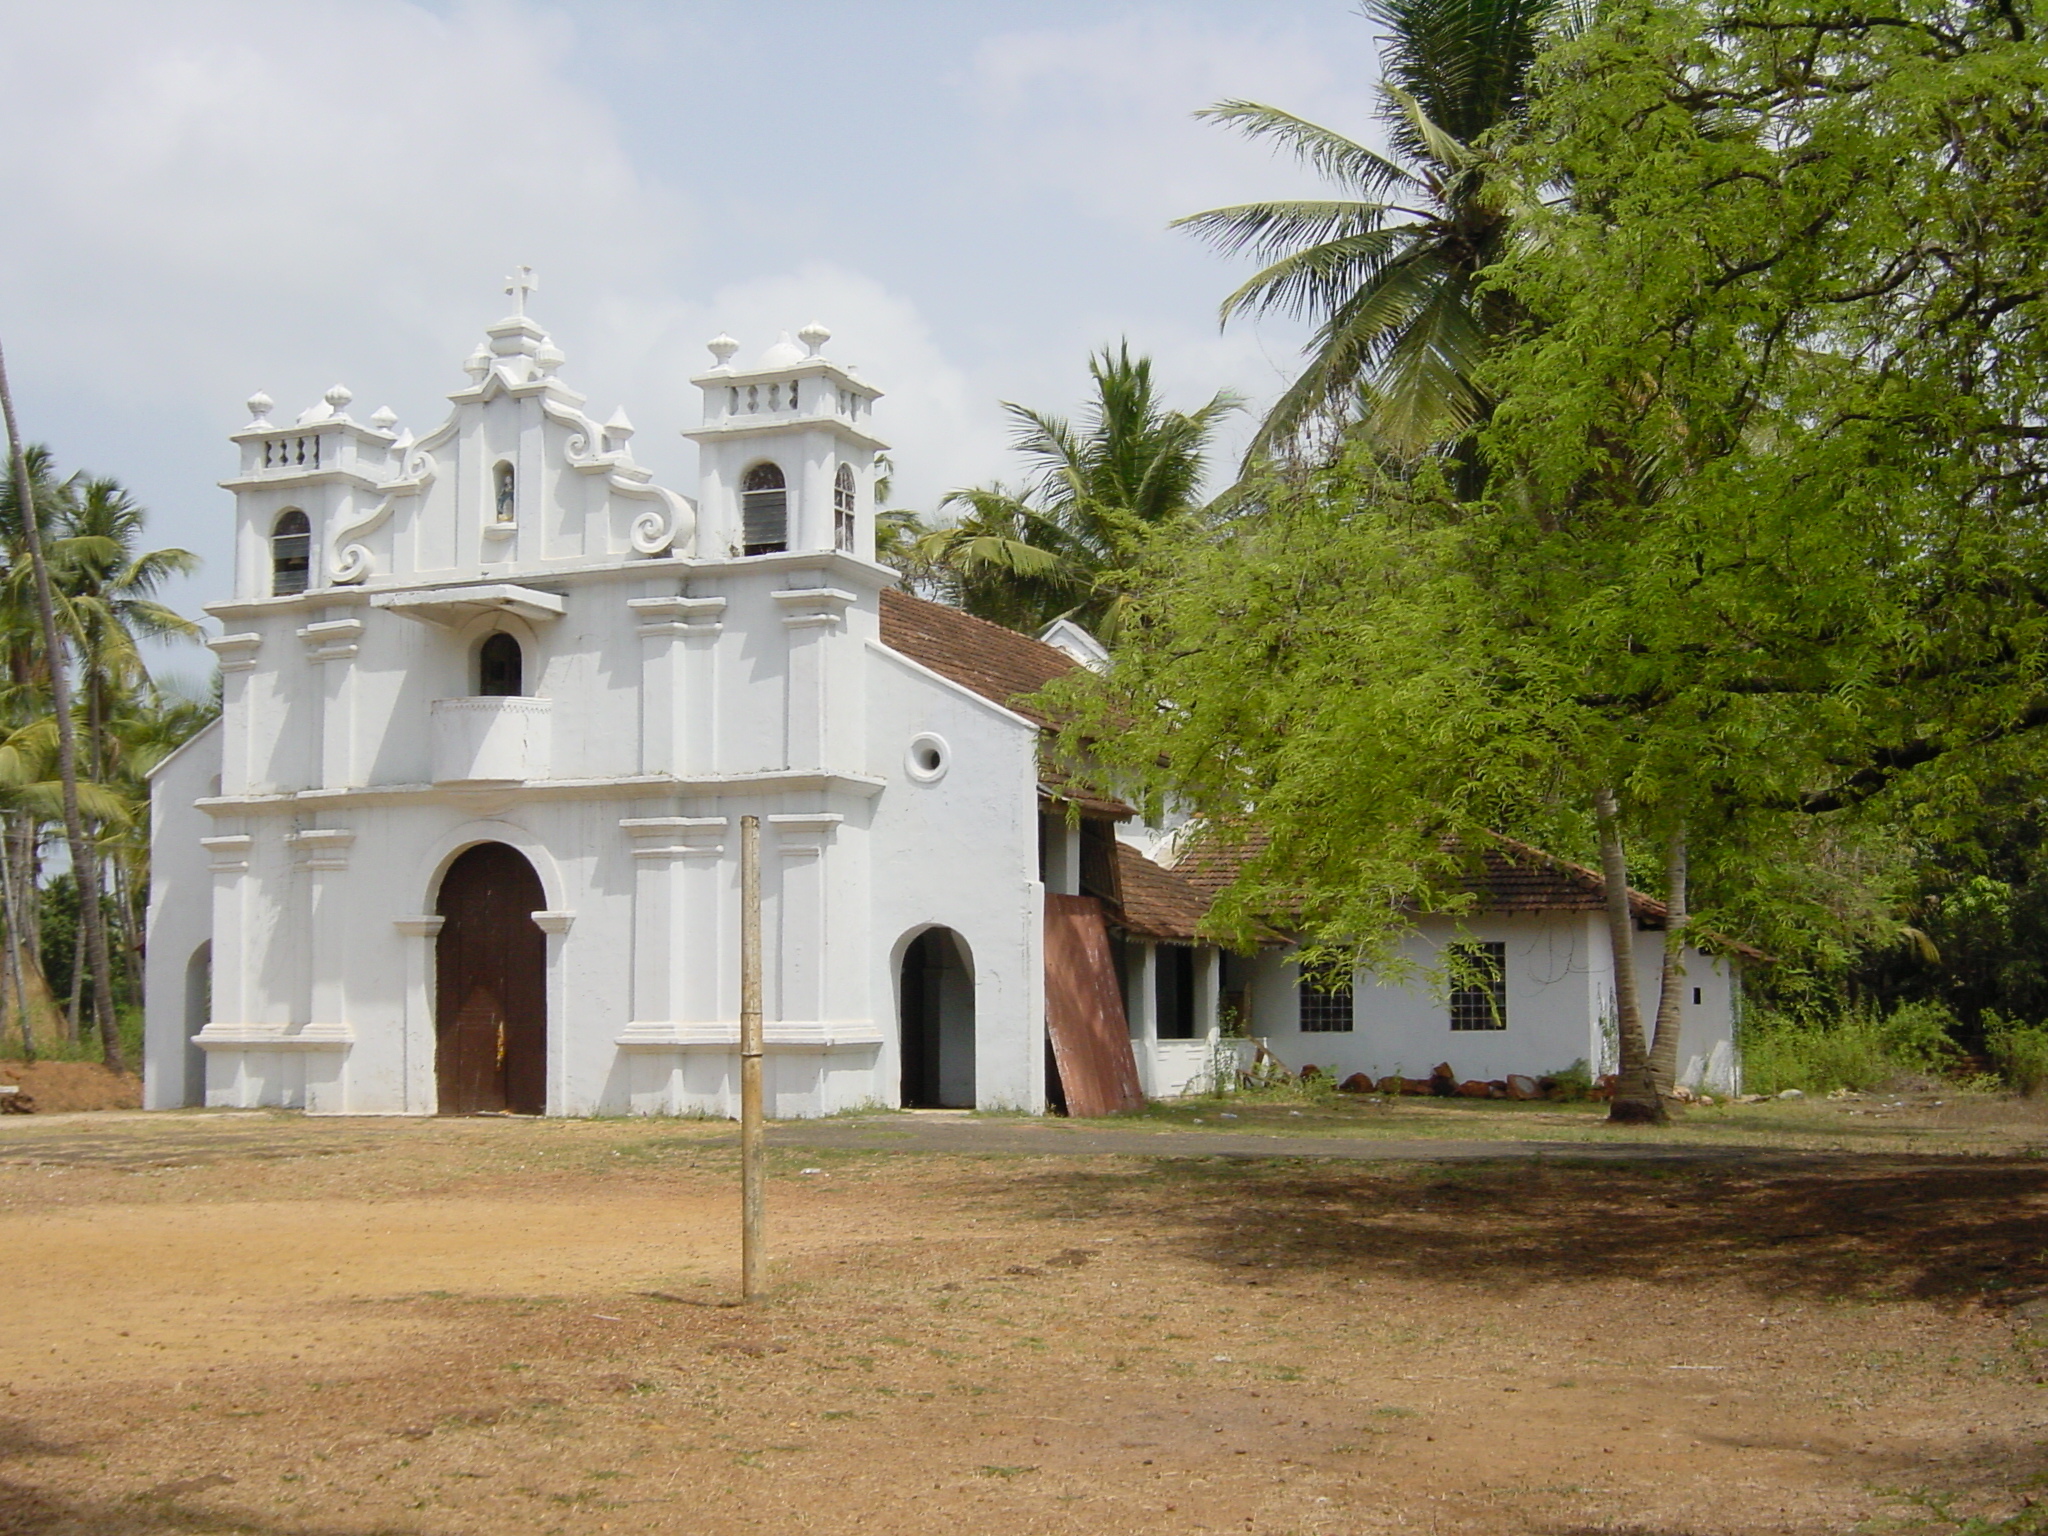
{"x":799,"y":963}
{"x":418,"y":1041}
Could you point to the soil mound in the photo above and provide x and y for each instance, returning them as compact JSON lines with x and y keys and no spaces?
{"x":58,"y":1087}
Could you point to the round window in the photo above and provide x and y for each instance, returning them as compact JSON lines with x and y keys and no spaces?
{"x":928,"y":758}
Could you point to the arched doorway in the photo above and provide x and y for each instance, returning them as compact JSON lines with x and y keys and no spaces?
{"x":198,"y":1011}
{"x":937,"y":1019}
{"x":490,"y":1012}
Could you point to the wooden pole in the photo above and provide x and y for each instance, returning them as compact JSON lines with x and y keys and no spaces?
{"x":753,"y":1257}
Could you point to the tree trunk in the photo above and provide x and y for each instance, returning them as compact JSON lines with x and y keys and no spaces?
{"x":1670,"y":994}
{"x":84,"y":860}
{"x":1635,"y":1095}
{"x":13,"y":915}
{"x":77,"y":982}
{"x":132,"y":936}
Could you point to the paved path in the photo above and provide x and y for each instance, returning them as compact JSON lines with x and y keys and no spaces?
{"x":964,"y":1134}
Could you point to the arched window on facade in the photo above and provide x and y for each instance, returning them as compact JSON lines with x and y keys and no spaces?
{"x":291,"y":553}
{"x":842,"y":508}
{"x":505,"y":490}
{"x":764,"y":511}
{"x":500,"y":667}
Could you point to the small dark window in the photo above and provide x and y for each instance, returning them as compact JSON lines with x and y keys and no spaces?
{"x":505,"y":488}
{"x":1479,"y":986}
{"x":764,"y":511}
{"x":842,"y":508}
{"x":291,"y":554}
{"x":501,"y":669}
{"x":1173,"y":976}
{"x":1325,"y":998}
{"x":1695,"y":996}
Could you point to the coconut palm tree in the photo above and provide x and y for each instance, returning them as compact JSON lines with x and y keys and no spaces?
{"x":1067,"y":542}
{"x":108,"y":589}
{"x":1387,"y":269}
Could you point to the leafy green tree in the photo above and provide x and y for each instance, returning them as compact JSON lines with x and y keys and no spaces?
{"x":1389,"y":270}
{"x":1067,"y":543}
{"x":1756,"y":573}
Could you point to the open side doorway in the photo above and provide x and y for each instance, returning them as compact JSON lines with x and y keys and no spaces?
{"x":936,"y":1017}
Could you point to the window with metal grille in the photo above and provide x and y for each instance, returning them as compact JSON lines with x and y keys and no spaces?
{"x":1479,"y":986}
{"x":291,"y":553}
{"x":764,"y":511}
{"x":1325,"y":999}
{"x":842,"y":508}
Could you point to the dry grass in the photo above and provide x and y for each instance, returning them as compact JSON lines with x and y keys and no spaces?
{"x":264,"y":1324}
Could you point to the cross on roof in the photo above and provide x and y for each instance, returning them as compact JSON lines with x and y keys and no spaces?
{"x":519,"y":285}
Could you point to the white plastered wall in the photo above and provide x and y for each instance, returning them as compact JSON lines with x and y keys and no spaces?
{"x":1559,"y":990}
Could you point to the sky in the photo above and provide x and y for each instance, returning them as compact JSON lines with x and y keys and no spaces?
{"x":217,"y":197}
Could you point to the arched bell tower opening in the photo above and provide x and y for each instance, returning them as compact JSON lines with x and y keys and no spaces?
{"x":764,"y":511}
{"x":291,"y":553}
{"x":936,"y":1019}
{"x":490,"y":1007}
{"x":843,"y":501}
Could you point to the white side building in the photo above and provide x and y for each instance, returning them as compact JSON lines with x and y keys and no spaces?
{"x":1534,"y":994}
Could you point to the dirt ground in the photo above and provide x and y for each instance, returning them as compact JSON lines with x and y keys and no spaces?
{"x":256,"y":1323}
{"x":58,"y":1087}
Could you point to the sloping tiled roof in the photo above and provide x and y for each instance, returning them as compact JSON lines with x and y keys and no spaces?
{"x":1511,"y":877}
{"x":997,"y":663}
{"x":1157,"y":903}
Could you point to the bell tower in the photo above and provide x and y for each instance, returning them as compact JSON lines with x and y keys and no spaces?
{"x":786,"y":455}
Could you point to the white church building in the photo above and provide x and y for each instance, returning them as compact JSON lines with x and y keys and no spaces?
{"x":465,"y":835}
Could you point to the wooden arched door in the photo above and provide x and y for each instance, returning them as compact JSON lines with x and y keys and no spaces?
{"x":490,"y":1013}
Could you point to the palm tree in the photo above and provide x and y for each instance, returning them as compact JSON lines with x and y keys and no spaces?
{"x":108,"y":590}
{"x":1388,"y":270}
{"x":29,"y":517}
{"x":1067,"y":543}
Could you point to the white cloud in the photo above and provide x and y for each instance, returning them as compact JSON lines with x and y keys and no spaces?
{"x":1105,"y":113}
{"x":244,"y":195}
{"x":218,"y":196}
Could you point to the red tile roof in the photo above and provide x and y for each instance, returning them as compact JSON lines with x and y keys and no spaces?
{"x":1157,"y":903}
{"x":1511,"y":876}
{"x":997,"y":663}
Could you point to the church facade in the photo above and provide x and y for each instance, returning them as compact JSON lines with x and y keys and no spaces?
{"x":465,"y":837}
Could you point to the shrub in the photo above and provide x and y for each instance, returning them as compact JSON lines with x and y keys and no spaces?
{"x":1574,"y":1082}
{"x":2019,"y":1052}
{"x":1858,"y":1051}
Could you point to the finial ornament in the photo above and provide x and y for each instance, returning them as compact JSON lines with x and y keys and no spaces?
{"x":385,"y":419}
{"x":519,"y":285}
{"x":813,"y":336}
{"x":722,"y":347}
{"x":478,"y":363}
{"x":260,"y":407}
{"x":338,"y":396}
